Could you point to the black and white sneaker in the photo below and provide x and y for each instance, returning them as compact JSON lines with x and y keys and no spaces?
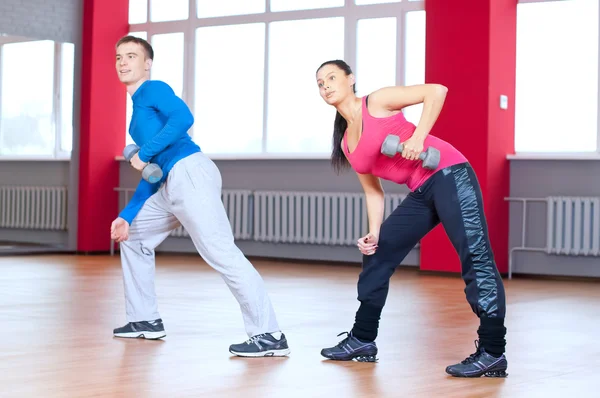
{"x":150,"y":330}
{"x":352,"y":349}
{"x":480,"y":364}
{"x":262,"y":345}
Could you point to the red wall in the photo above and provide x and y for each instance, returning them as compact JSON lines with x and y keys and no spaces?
{"x":102,"y":128}
{"x":471,"y":49}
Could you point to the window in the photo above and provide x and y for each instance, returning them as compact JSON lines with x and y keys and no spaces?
{"x":414,"y":67}
{"x":298,"y":120}
{"x":364,"y":2}
{"x":36,"y":122}
{"x":167,"y":64}
{"x":67,"y":65}
{"x":138,"y":11}
{"x":168,"y":10}
{"x":375,"y":54}
{"x":222,"y":8}
{"x":228,"y":102}
{"x":294,"y":5}
{"x":253,"y":91}
{"x":556,"y":104}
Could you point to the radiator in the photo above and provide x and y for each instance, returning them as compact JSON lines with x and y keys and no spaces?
{"x":33,"y":207}
{"x":237,"y":206}
{"x":313,"y":217}
{"x":573,"y":226}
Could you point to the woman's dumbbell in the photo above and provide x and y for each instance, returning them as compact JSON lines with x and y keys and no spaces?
{"x":151,"y":173}
{"x":392,"y":145}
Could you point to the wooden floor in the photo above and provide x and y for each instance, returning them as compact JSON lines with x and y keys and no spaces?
{"x":58,"y":313}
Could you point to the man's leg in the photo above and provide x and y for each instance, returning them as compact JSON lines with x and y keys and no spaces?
{"x":150,"y":227}
{"x":459,"y":205}
{"x":196,"y":198}
{"x":398,"y":235}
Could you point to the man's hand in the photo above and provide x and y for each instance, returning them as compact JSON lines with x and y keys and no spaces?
{"x":119,"y":230}
{"x":137,"y":163}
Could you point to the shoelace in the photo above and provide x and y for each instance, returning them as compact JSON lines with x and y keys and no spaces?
{"x":343,"y":342}
{"x":473,"y":357}
{"x":252,"y":339}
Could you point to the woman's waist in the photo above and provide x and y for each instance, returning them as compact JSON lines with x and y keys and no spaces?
{"x":411,"y":172}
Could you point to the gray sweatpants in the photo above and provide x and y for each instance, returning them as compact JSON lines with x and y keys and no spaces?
{"x":191,"y":196}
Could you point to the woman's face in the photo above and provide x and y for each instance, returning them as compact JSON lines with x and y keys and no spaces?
{"x":334,"y":85}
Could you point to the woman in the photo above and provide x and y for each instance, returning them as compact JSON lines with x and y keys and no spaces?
{"x":449,"y":194}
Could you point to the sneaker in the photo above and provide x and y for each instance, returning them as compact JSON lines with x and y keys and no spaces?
{"x":262,"y":345}
{"x":480,"y":364}
{"x":352,"y":348}
{"x":150,"y":330}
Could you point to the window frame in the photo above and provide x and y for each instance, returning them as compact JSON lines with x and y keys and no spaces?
{"x":351,"y":13}
{"x":564,"y":155}
{"x":57,"y":154}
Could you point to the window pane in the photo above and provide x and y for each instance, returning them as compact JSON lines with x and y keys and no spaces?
{"x":375,"y":54}
{"x":229,"y":88}
{"x":138,"y":11}
{"x":557,"y":77}
{"x":66,"y":96}
{"x":168,"y":60}
{"x":291,"y":5}
{"x":26,"y":115}
{"x":128,"y":139}
{"x":414,"y":64}
{"x":168,"y":10}
{"x":221,"y":8}
{"x":298,"y":118}
{"x":363,"y":2}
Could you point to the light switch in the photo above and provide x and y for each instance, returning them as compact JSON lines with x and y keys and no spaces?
{"x":503,"y":102}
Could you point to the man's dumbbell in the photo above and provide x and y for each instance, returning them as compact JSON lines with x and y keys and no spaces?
{"x":392,"y":145}
{"x":151,"y":173}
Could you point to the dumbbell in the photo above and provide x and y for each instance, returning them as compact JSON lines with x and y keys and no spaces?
{"x":151,"y":173}
{"x":392,"y":145}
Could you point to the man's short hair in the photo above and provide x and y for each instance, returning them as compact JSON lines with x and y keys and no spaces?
{"x":132,"y":39}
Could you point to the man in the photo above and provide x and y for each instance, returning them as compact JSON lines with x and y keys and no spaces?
{"x":189,"y":194}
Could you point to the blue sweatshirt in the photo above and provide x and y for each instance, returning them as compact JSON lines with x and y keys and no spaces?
{"x":159,"y":126}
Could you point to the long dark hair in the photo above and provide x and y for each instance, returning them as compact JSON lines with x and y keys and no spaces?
{"x":338,"y":159}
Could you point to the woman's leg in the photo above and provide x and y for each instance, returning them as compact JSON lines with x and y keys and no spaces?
{"x":398,"y":235}
{"x":458,"y":201}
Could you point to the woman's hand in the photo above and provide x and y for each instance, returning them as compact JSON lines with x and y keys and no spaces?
{"x":412,"y":148}
{"x":368,"y":244}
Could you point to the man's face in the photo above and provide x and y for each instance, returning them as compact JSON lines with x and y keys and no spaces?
{"x":131,"y":63}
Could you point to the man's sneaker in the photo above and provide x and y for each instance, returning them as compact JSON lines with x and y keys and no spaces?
{"x":262,"y":345}
{"x":150,"y":330}
{"x":480,"y":364}
{"x":352,"y":348}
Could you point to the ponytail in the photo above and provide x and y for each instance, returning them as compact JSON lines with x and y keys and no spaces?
{"x":338,"y":158}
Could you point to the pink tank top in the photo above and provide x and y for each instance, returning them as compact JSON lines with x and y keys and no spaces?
{"x":368,"y":159}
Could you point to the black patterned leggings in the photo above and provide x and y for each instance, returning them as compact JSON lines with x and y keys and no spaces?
{"x":451,"y":196}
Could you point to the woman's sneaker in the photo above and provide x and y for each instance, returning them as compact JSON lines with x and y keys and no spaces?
{"x":351,"y":348}
{"x":480,"y":364}
{"x":262,"y":345}
{"x":150,"y":330}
